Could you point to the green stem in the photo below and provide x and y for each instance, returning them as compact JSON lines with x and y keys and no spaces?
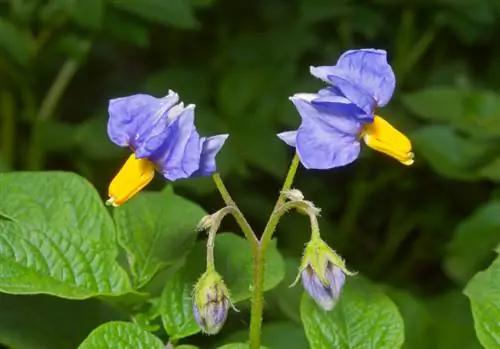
{"x":237,"y":214}
{"x":260,"y":259}
{"x":212,"y":232}
{"x":8,"y":128}
{"x":47,"y":109}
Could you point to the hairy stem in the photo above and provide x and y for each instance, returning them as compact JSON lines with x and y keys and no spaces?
{"x":237,"y":214}
{"x":212,"y":232}
{"x":260,"y":259}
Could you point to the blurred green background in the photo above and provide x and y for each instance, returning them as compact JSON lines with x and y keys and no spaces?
{"x":423,"y":230}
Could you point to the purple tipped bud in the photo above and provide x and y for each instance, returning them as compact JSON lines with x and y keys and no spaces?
{"x":211,"y":302}
{"x":323,"y":273}
{"x":326,"y":295}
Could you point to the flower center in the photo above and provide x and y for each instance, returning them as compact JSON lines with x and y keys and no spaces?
{"x":132,"y":177}
{"x":383,"y":137}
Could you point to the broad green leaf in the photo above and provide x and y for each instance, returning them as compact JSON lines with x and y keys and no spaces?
{"x":156,"y":229}
{"x":14,"y":43}
{"x":484,"y":294}
{"x":275,"y":335}
{"x":121,"y":335}
{"x":449,"y":153}
{"x":57,"y":238}
{"x":46,"y":322}
{"x":176,"y":305}
{"x":177,"y":13}
{"x":363,"y":318}
{"x":233,"y":260}
{"x":186,"y":346}
{"x":473,"y":242}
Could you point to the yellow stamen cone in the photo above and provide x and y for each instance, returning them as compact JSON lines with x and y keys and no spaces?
{"x":132,"y":178}
{"x":383,"y":137}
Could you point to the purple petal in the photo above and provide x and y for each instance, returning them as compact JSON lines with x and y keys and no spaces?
{"x":340,"y":115}
{"x":336,"y":277}
{"x":343,"y":106}
{"x":367,"y":70}
{"x":288,"y":137}
{"x":139,"y":120}
{"x":179,"y":155}
{"x":210,"y":147}
{"x":320,"y":293}
{"x":320,"y":147}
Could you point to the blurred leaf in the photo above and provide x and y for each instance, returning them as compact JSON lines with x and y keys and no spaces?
{"x":471,"y":111}
{"x":491,"y":170}
{"x":121,"y":335}
{"x":312,"y":11}
{"x":177,"y":13}
{"x":14,"y":43}
{"x":88,"y":13}
{"x":276,"y":335}
{"x":287,"y":297}
{"x":92,"y":138}
{"x":57,"y":237}
{"x":436,"y":103}
{"x":44,"y":322}
{"x":57,"y":136}
{"x":176,"y":305}
{"x":186,"y":346}
{"x":239,"y":346}
{"x":473,"y":242}
{"x":416,"y":320}
{"x":484,"y":294}
{"x":73,"y":46}
{"x":363,"y":318}
{"x":450,"y":323}
{"x":124,"y":27}
{"x":448,"y":153}
{"x":156,"y":229}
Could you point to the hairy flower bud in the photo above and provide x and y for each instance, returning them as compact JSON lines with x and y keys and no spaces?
{"x":323,"y":273}
{"x":211,"y":302}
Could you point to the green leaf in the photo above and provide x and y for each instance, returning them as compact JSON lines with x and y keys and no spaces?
{"x":57,"y":238}
{"x":473,"y":242}
{"x":121,"y":335}
{"x":275,"y":336}
{"x":14,"y":43}
{"x":186,"y":346}
{"x":484,"y":294}
{"x":233,"y":260}
{"x":46,"y":322}
{"x":156,"y":229}
{"x":177,"y":13}
{"x":363,"y":318}
{"x":449,"y":153}
{"x":176,"y":305}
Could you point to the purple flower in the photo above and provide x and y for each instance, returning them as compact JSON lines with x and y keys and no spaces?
{"x":325,"y":294}
{"x":338,"y":116}
{"x":162,"y":135}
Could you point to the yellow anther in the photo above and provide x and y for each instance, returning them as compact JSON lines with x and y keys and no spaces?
{"x":383,"y":137}
{"x":132,"y":178}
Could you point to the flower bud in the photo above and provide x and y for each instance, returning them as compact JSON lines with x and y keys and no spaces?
{"x":323,"y":273}
{"x":205,"y":223}
{"x":211,"y":302}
